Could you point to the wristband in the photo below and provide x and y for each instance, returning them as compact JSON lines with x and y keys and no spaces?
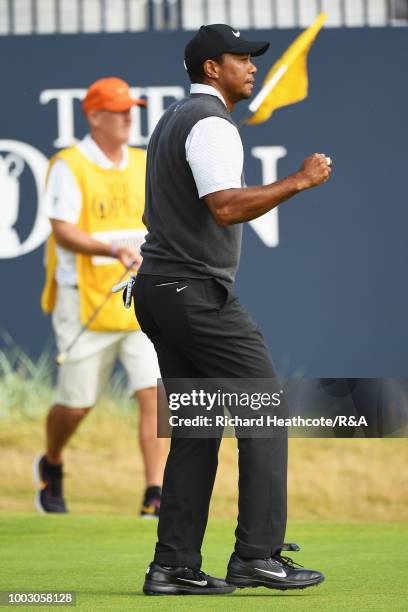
{"x":113,"y":251}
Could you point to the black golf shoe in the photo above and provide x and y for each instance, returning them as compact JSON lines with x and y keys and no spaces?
{"x":168,"y":580}
{"x":274,"y":573}
{"x":48,"y":479}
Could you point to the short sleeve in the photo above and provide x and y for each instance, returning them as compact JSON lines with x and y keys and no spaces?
{"x":215,"y":155}
{"x":62,"y":199}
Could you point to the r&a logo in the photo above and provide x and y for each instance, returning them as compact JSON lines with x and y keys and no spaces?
{"x":15,"y":156}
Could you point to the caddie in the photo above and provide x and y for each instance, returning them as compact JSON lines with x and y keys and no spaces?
{"x":94,"y":198}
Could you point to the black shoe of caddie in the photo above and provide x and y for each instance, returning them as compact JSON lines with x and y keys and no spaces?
{"x":274,"y":573}
{"x":167,"y":580}
{"x":49,"y":497}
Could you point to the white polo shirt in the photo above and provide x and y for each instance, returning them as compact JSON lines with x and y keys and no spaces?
{"x":214,"y":150}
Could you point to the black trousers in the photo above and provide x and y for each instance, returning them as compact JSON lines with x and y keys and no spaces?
{"x":202,"y":331}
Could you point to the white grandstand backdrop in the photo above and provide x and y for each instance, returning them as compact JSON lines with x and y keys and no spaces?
{"x":90,"y":16}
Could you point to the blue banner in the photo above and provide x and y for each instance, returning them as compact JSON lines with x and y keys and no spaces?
{"x":325,"y":276}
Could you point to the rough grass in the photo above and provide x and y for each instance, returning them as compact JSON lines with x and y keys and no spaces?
{"x":329,"y":479}
{"x":104,"y":560}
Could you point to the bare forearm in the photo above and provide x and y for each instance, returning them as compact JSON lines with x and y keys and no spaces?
{"x":73,"y":239}
{"x":252,"y":202}
{"x":231,"y":206}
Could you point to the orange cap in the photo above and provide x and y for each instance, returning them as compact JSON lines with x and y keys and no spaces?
{"x":110,"y":94}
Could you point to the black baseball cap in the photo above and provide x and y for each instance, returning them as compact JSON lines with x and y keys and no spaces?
{"x":215,"y":39}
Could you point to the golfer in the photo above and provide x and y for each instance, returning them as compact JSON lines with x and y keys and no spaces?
{"x":196,"y":202}
{"x":94,"y":199}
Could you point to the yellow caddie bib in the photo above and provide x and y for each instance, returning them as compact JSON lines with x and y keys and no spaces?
{"x":112,"y":208}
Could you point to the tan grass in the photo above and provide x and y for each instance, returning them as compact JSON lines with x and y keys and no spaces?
{"x":331,"y":479}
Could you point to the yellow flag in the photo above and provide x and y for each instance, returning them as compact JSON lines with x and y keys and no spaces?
{"x":286,"y":82}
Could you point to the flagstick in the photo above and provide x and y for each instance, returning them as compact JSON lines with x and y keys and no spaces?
{"x":265,"y":91}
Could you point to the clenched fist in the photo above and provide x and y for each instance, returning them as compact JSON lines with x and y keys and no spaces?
{"x":316,"y":169}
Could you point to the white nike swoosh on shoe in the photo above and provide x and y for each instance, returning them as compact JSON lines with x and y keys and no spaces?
{"x":197,"y":582}
{"x":181,"y":288}
{"x":237,"y":33}
{"x":281,"y":574}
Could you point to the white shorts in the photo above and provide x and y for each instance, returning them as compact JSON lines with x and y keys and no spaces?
{"x":87,"y":369}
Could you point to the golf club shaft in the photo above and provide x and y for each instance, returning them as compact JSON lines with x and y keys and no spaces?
{"x":64,"y":354}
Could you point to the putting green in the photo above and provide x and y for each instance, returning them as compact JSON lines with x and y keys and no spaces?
{"x":104,"y":559}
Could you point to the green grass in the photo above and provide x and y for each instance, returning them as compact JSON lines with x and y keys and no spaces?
{"x":104,"y":559}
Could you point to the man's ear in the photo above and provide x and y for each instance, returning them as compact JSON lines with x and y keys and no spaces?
{"x":211,"y":69}
{"x":93,"y":118}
